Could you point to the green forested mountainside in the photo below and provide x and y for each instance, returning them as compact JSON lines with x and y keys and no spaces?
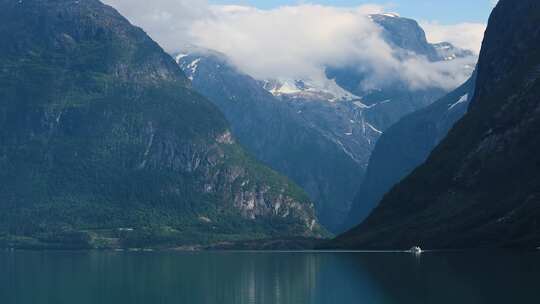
{"x":481,"y":185}
{"x":100,"y":131}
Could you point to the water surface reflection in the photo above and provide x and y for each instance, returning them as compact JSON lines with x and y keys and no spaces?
{"x":276,"y":278}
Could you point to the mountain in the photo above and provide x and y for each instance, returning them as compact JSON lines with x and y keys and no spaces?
{"x":312,"y":143}
{"x":405,"y":146}
{"x":405,"y":34}
{"x":446,"y":52}
{"x":408,"y":36}
{"x":319,"y":133}
{"x":480,"y":186}
{"x":104,"y":143}
{"x":388,"y":103}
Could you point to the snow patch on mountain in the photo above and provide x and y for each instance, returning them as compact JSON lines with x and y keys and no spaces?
{"x":179,"y":57}
{"x":189,"y":68}
{"x":391,"y":15}
{"x":373,"y":128}
{"x":326,"y":89}
{"x":463,"y":99}
{"x":362,"y":106}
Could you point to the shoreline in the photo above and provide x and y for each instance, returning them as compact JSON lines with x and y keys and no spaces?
{"x":322,"y":251}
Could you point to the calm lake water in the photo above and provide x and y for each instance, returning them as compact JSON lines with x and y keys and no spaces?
{"x":242,"y":277}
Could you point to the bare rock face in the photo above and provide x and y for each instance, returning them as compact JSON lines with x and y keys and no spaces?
{"x":100,"y":129}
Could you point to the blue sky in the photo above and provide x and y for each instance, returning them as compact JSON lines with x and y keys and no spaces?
{"x":446,"y":11}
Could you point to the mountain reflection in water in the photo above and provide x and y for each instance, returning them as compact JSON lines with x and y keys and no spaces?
{"x":268,"y":277}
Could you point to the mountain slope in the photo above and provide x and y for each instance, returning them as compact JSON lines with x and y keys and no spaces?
{"x":284,"y":137}
{"x":480,"y":187}
{"x":405,"y":146}
{"x":100,"y":130}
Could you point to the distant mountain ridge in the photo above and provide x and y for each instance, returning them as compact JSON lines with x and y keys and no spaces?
{"x":408,"y":35}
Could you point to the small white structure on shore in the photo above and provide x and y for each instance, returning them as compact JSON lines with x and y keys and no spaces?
{"x":416,"y":250}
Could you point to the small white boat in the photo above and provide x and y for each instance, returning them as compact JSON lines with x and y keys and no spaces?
{"x":416,"y":250}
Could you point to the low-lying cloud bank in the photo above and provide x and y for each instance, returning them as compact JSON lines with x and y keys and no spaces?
{"x":298,"y":42}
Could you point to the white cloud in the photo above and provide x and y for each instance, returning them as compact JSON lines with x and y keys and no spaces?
{"x":166,"y":21}
{"x":294,"y":41}
{"x":464,"y":35}
{"x":290,"y":42}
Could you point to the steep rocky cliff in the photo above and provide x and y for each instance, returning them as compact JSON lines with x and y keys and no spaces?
{"x":480,"y":187}
{"x":100,"y":131}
